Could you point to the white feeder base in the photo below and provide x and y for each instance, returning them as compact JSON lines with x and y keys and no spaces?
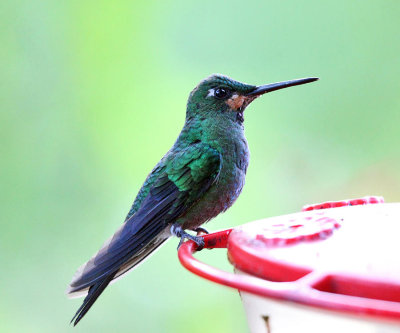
{"x":270,"y":316}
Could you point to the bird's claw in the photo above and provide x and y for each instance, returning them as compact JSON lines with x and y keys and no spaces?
{"x":179,"y":232}
{"x":200,"y":231}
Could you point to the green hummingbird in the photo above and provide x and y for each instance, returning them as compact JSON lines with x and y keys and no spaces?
{"x":199,"y":177}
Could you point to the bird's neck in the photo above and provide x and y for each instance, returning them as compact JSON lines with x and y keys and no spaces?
{"x":220,"y":132}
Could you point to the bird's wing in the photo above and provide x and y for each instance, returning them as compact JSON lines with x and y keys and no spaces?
{"x":184,"y":178}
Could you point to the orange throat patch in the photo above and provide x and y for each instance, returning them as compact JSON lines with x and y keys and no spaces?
{"x":235,"y":102}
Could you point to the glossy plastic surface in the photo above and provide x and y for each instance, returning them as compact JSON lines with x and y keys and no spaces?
{"x":348,"y":265}
{"x":342,"y":203}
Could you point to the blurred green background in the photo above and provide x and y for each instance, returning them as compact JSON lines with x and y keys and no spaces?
{"x":93,"y":93}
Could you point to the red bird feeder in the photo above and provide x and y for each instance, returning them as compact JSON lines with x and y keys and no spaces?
{"x":333,"y":267}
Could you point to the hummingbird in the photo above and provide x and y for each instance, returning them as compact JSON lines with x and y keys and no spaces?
{"x":198,"y":178}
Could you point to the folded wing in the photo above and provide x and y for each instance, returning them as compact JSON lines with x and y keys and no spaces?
{"x":183,"y":178}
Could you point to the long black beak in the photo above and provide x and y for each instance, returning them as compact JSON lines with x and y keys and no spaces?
{"x":279,"y":85}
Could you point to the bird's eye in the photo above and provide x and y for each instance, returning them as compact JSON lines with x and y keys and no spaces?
{"x":221,"y":93}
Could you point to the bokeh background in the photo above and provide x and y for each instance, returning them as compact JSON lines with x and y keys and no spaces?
{"x":93,"y":93}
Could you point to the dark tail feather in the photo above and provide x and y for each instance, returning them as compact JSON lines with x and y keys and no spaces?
{"x":94,"y":292}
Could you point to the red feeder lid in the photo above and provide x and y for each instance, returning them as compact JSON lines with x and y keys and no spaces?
{"x":327,"y":241}
{"x":343,"y":259}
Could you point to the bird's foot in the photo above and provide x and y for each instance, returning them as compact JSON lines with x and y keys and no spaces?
{"x":200,"y":230}
{"x":177,"y":230}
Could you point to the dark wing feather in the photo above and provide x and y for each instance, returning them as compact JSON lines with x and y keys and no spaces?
{"x":134,"y":234}
{"x":185,"y":177}
{"x":94,"y":292}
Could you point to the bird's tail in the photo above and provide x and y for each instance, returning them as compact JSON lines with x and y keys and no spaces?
{"x":95,"y":290}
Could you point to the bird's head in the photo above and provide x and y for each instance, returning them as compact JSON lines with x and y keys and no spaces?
{"x":221,"y":94}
